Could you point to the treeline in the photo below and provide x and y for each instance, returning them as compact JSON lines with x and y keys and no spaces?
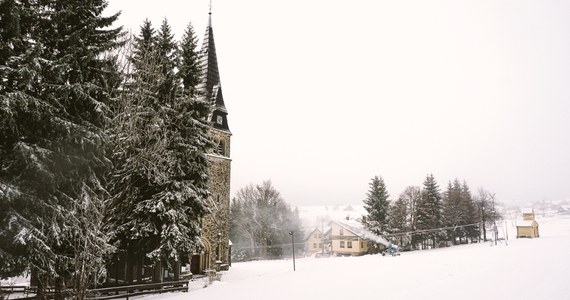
{"x":103,"y":142}
{"x":261,"y":222}
{"x":426,"y":216}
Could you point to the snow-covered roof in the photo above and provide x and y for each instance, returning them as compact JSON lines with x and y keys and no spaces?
{"x":521,"y":222}
{"x":318,"y":229}
{"x":357,"y":228}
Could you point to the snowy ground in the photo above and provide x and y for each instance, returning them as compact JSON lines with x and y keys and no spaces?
{"x":525,"y":269}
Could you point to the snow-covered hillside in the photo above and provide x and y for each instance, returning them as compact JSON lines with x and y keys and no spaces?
{"x":525,"y":269}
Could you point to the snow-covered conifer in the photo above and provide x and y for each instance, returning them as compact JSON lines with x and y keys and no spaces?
{"x":377,"y":207}
{"x":161,"y":140}
{"x":429,"y":210}
{"x":189,"y":69}
{"x":54,"y":107}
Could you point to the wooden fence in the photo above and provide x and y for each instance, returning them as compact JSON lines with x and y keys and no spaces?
{"x":117,"y":292}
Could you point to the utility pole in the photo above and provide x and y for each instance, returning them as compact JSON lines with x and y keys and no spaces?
{"x":322,"y":236}
{"x":292,"y":234}
{"x":495,"y":220}
{"x":506,"y":234}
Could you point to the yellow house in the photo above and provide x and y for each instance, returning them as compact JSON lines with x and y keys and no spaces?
{"x":350,"y":238}
{"x":315,"y":242}
{"x":527,"y":227}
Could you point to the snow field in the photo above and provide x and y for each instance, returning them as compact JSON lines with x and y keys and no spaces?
{"x":525,"y":269}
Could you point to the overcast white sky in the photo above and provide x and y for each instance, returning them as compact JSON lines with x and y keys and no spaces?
{"x":324,"y":95}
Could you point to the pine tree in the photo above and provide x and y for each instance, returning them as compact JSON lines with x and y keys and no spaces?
{"x":144,"y":43}
{"x":429,"y":211}
{"x":453,"y":211}
{"x":471,"y":213}
{"x":377,"y":207}
{"x":161,"y":138}
{"x":139,"y":156}
{"x":54,"y":109}
{"x":460,"y":212}
{"x":166,"y":49}
{"x":189,"y":69}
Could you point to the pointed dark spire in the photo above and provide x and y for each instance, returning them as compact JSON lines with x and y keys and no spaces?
{"x":210,"y":86}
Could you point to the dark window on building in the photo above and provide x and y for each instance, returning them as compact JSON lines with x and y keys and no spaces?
{"x":221,"y":149}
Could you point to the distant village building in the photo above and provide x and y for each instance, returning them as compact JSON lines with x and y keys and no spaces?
{"x":316,"y":242}
{"x":217,"y":245}
{"x":527,"y":227}
{"x":346,"y":237}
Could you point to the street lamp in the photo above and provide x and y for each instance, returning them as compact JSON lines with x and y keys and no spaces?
{"x":292,"y":234}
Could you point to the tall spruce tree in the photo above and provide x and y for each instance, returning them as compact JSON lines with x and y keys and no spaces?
{"x":471,"y":214}
{"x":139,"y":146}
{"x":166,"y":49}
{"x":189,"y":70}
{"x":454,"y":212}
{"x":143,"y":43}
{"x":460,"y":212}
{"x":54,"y":108}
{"x":429,"y":214}
{"x":377,"y":207}
{"x":159,"y":184}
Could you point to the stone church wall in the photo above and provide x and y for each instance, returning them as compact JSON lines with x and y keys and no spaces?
{"x":216,"y":225}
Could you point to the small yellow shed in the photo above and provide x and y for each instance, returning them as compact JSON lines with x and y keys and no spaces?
{"x":527,"y":229}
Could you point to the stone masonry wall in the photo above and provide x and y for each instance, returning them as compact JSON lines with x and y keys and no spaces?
{"x":216,"y":226}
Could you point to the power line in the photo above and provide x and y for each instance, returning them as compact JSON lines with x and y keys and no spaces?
{"x":430,"y":230}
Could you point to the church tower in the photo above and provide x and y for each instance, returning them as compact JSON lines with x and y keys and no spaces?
{"x":216,"y":225}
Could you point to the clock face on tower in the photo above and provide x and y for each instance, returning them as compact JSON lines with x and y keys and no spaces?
{"x":220,"y":120}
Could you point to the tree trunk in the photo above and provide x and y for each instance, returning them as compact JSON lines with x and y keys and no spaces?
{"x":176,"y":270}
{"x":140,"y":265}
{"x":40,"y":287}
{"x":129,"y":277}
{"x":59,"y":289}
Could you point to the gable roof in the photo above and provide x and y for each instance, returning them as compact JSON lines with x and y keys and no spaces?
{"x":526,"y":223}
{"x":317,"y":229}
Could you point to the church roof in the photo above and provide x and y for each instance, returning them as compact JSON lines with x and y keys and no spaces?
{"x":210,"y":85}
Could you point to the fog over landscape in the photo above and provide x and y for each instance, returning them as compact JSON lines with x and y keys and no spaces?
{"x":324,"y":95}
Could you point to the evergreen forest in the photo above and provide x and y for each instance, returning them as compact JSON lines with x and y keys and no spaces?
{"x":426,"y":217}
{"x":103,"y":145}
